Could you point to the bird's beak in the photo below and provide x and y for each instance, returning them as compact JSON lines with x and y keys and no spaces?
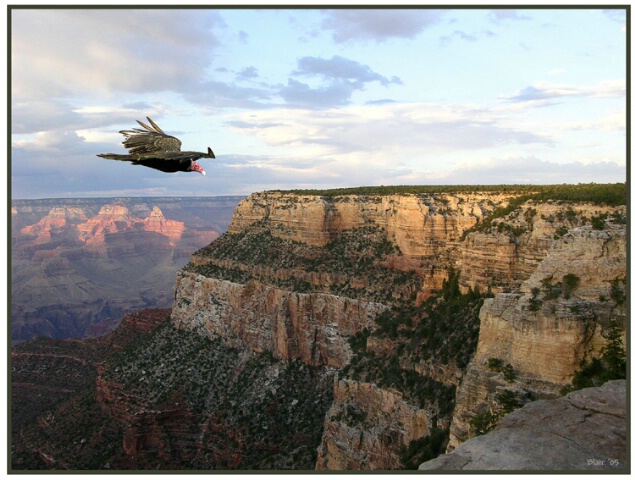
{"x":196,"y":167}
{"x":210,"y":153}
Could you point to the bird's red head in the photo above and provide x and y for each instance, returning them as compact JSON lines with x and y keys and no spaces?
{"x":196,"y":167}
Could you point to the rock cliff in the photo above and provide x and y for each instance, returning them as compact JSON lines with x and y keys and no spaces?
{"x":312,"y":327}
{"x":363,"y":426}
{"x":420,"y":225}
{"x":544,"y":331}
{"x":308,"y":277}
{"x":502,"y":257}
{"x":426,"y":229}
{"x":361,"y":252}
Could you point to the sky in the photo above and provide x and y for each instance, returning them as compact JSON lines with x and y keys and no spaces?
{"x":317,"y":98}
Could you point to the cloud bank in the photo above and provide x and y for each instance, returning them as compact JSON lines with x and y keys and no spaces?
{"x":317,"y":98}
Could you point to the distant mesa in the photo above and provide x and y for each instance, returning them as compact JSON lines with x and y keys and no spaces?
{"x":79,"y":265}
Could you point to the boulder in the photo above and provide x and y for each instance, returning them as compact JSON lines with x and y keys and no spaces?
{"x":584,"y":430}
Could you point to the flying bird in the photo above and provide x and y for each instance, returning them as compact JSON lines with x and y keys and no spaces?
{"x":152,"y":147}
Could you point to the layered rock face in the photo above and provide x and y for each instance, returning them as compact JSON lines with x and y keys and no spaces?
{"x":244,"y":289}
{"x":503,"y":257}
{"x":543,"y":335}
{"x":257,"y":301}
{"x":538,"y":341}
{"x":420,"y":225}
{"x":257,"y":312}
{"x":262,"y":287}
{"x":311,"y":327}
{"x":585,"y":430}
{"x":363,"y":426}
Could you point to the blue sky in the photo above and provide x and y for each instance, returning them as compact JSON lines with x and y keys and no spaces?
{"x":309,"y":98}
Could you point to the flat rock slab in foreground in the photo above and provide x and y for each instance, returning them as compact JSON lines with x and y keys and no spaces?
{"x":584,"y":430}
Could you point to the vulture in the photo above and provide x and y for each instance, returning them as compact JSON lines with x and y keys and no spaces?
{"x":152,"y":147}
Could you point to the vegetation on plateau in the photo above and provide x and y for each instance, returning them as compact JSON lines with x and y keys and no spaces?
{"x":255,"y":397}
{"x":603,"y":194}
{"x":442,"y":330}
{"x":352,"y":262}
{"x":599,"y":194}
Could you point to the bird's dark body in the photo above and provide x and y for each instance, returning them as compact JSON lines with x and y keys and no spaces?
{"x":166,"y":162}
{"x":152,"y":148}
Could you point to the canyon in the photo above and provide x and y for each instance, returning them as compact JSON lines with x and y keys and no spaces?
{"x":353,"y":331}
{"x":79,"y":265}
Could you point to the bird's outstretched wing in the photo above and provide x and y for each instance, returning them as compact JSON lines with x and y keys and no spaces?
{"x":152,"y":140}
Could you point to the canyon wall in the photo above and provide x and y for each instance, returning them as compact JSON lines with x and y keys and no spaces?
{"x":515,"y":255}
{"x":503,"y":257}
{"x":427,"y":229}
{"x":349,"y":332}
{"x":543,"y":336}
{"x":312,"y":327}
{"x":364,"y":425}
{"x":420,"y":225}
{"x":244,"y":288}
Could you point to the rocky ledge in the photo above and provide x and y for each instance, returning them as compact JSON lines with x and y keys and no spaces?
{"x":584,"y":430}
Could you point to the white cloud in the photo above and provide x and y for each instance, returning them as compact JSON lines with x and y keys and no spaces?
{"x":544,"y":93}
{"x":379,"y":130}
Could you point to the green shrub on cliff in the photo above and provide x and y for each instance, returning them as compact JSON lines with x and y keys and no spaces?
{"x":617,"y":292}
{"x":424,"y":449}
{"x":610,"y":365}
{"x":442,"y":330}
{"x":506,"y":402}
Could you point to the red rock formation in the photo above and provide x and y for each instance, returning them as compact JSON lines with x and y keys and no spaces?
{"x":110,"y":219}
{"x":56,"y":222}
{"x":156,"y":222}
